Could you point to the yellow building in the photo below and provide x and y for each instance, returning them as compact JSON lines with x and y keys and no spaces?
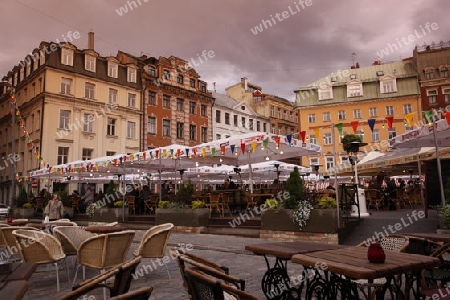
{"x":72,"y":105}
{"x":351,"y":99}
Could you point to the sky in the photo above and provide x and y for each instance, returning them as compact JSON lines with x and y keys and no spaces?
{"x":298,"y":41}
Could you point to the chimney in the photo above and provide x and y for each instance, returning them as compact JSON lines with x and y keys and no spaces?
{"x":244,"y":83}
{"x":376,"y":63}
{"x":91,"y":40}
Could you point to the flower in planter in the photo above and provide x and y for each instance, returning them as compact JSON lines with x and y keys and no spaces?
{"x":163,"y":204}
{"x":118,"y":204}
{"x":272,"y":203}
{"x":197,"y":204}
{"x":302,"y":213}
{"x":27,"y":205}
{"x":90,"y":210}
{"x":326,"y":203}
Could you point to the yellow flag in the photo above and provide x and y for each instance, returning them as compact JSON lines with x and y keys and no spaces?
{"x":253,"y":146}
{"x":409,"y":119}
{"x":316,"y":133}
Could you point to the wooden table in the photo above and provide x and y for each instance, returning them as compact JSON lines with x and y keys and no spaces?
{"x":342,"y":266}
{"x":14,"y":285}
{"x":105,"y":229}
{"x":276,"y":277}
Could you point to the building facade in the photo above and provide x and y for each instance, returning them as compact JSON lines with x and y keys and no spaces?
{"x":381,"y":94}
{"x":232,"y":117}
{"x":74,"y":105}
{"x":176,"y":103}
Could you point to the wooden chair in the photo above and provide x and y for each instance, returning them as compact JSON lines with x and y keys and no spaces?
{"x":373,"y":199}
{"x":154,"y":242}
{"x":131,"y":201}
{"x":214,"y":203}
{"x":250,"y":200}
{"x":122,"y":281}
{"x":205,"y":287}
{"x":43,"y":248}
{"x":225,"y":203}
{"x":408,"y":200}
{"x":151,"y":203}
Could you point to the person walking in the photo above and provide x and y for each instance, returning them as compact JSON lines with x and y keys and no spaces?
{"x":54,"y":209}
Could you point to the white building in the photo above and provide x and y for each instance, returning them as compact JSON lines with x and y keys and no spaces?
{"x":231,"y":117}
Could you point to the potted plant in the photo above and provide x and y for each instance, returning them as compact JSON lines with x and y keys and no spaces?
{"x":444,"y":220}
{"x":26,"y":211}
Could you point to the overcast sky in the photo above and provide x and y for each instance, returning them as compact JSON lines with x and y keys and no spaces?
{"x":308,"y":43}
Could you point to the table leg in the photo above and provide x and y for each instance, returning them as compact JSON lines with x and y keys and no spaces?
{"x":275,"y":283}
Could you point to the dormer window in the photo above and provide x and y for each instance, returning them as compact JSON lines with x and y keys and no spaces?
{"x":67,"y":57}
{"x":380,"y":73}
{"x":192,"y":82}
{"x":354,"y":89}
{"x":131,"y":74}
{"x":443,"y":71}
{"x":166,"y":74}
{"x":334,"y":79}
{"x":203,"y":87}
{"x":180,"y":79}
{"x":388,"y":84}
{"x":152,"y":71}
{"x":429,"y":73}
{"x":89,"y":62}
{"x":112,"y":69}
{"x":325,"y":92}
{"x":353,"y":76}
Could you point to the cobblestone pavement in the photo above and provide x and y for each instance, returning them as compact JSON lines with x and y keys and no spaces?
{"x":226,"y":250}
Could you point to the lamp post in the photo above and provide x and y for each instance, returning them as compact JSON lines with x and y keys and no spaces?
{"x":13,"y":143}
{"x":278,"y":173}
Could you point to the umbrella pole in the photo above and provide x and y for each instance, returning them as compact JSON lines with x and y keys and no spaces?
{"x":424,"y":201}
{"x":438,"y":160}
{"x":335,"y":177}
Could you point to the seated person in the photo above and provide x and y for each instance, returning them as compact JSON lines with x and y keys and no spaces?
{"x":232,"y":185}
{"x":87,"y":198}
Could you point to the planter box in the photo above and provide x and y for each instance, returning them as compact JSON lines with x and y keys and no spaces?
{"x":106,"y":214}
{"x":321,"y":221}
{"x":182,"y":217}
{"x":69,"y":211}
{"x":25,"y":213}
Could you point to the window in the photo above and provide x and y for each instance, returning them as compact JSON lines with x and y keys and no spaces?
{"x":180,"y":79}
{"x":446,"y":92}
{"x":341,"y":115}
{"x":285,"y":115}
{"x":257,"y":98}
{"x":313,"y":161}
{"x":112,"y":69}
{"x":326,"y":117}
{"x":203,"y":87}
{"x":166,"y":101}
{"x":192,"y":108}
{"x":258,"y":126}
{"x":89,"y":62}
{"x":204,"y":133}
{"x":264,"y":127}
{"x":66,"y":57}
{"x":193,"y":132}
{"x":429,"y":73}
{"x":111,"y":127}
{"x":375,"y":135}
{"x":388,"y":85}
{"x":443,"y":71}
{"x":327,"y":140}
{"x":389,"y":110}
{"x":88,"y":123}
{"x":356,"y":114}
{"x":203,"y":110}
{"x":373,"y":112}
{"x":391,"y":133}
{"x":279,"y":113}
{"x":325,"y":92}
{"x":166,"y":128}
{"x":312,"y":139}
{"x":217,"y":116}
{"x":344,"y":160}
{"x":250,"y":124}
{"x":63,"y":155}
{"x":166,"y":74}
{"x":151,"y":125}
{"x":110,"y":153}
{"x":354,"y":90}
{"x":180,"y":104}
{"x":192,"y":82}
{"x":407,"y":108}
{"x":22,"y":72}
{"x":432,"y":96}
{"x":243,"y":121}
{"x":227,"y":118}
{"x":86,"y":154}
{"x":329,"y":160}
{"x":218,"y":136}
{"x":64,"y":119}
{"x":66,"y":84}
{"x":112,"y":96}
{"x":89,"y":90}
{"x":152,"y":71}
{"x":180,"y":130}
{"x":131,"y":130}
{"x":360,"y":134}
{"x":131,"y":100}
{"x":152,"y":98}
{"x":131,"y":74}
{"x":312,"y":118}
{"x":235,"y":121}
{"x":272,"y":129}
{"x":272,"y":111}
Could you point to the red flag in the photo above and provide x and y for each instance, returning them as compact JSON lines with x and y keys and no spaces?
{"x":389,"y":121}
{"x":222,"y":149}
{"x":447,"y":117}
{"x":354,"y":125}
{"x":303,"y":135}
{"x":243,"y":148}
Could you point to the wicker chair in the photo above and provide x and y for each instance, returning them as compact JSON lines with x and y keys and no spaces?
{"x":131,"y":201}
{"x":154,"y":242}
{"x":225,"y":203}
{"x":373,"y":199}
{"x":251,"y":202}
{"x":2,"y":239}
{"x":10,"y":241}
{"x":122,"y":281}
{"x":142,"y":293}
{"x":205,"y":287}
{"x":42,"y":248}
{"x":214,"y":204}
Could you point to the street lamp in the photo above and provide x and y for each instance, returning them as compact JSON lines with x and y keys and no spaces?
{"x":13,"y":143}
{"x":354,"y":149}
{"x":278,"y":173}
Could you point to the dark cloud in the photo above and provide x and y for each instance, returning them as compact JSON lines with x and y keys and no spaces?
{"x":307,"y":45}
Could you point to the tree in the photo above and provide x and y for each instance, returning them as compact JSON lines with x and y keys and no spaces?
{"x":347,"y":142}
{"x":110,"y":190}
{"x":294,"y":186}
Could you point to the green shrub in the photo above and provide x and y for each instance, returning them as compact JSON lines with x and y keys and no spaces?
{"x":444,"y":217}
{"x":294,"y":188}
{"x":27,"y":205}
{"x":272,"y":203}
{"x":118,"y":203}
{"x":197,"y":204}
{"x":326,"y":202}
